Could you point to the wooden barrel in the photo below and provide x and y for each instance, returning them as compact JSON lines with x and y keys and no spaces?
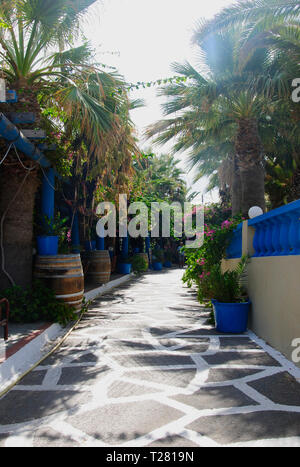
{"x":145,"y":256}
{"x":64,"y":275}
{"x":99,"y":266}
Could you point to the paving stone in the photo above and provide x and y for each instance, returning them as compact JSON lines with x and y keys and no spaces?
{"x":216,"y":398}
{"x":153,"y":359}
{"x":241,"y":358}
{"x":86,"y":358}
{"x":162,"y":330}
{"x":85,"y":375}
{"x":124,"y":389}
{"x":238,"y":343}
{"x":217,"y":375}
{"x":177,"y":378}
{"x":35,"y":378}
{"x":47,"y":437}
{"x":174,"y":441}
{"x":126,"y":346}
{"x":227,"y":429}
{"x":118,"y":423}
{"x":24,"y":406}
{"x":281,"y":388}
{"x":198,"y":343}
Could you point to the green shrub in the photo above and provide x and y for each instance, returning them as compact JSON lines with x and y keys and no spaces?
{"x":139,"y":264}
{"x":36,"y":304}
{"x":229,"y":286}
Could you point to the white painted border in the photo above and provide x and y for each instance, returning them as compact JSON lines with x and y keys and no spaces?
{"x":25,"y":358}
{"x":92,"y":294}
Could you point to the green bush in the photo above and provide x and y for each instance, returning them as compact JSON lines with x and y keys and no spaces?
{"x":139,"y":264}
{"x":36,"y":304}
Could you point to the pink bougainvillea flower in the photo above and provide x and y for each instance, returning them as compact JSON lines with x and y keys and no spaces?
{"x":226,"y":224}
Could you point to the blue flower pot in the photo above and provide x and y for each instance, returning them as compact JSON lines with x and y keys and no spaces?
{"x":47,"y":246}
{"x":136,"y":251}
{"x":167,"y":264}
{"x":90,"y":246}
{"x":157,"y":266}
{"x":231,"y":317}
{"x":124,"y":268}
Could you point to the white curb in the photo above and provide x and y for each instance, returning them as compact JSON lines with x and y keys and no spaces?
{"x":25,"y":358}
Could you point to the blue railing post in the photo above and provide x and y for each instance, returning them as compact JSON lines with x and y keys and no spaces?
{"x":277,"y":233}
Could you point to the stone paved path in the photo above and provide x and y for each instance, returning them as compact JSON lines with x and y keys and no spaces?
{"x":143,"y":369}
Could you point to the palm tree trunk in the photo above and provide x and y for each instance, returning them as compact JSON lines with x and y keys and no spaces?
{"x":236,"y":190}
{"x":17,"y":198}
{"x":294,"y":190}
{"x":16,"y":214}
{"x":250,"y":164}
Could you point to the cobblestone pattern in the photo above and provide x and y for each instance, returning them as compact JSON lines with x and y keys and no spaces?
{"x":144,"y":369}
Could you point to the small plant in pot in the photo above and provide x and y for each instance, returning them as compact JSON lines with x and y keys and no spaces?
{"x":49,"y":232}
{"x":230,"y":303}
{"x":168,"y":259}
{"x":157,"y":259}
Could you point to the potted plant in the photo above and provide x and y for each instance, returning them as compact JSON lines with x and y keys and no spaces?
{"x":139,"y":264}
{"x":230,"y":303}
{"x":168,"y":259}
{"x":50,"y":231}
{"x":157,"y":259}
{"x":124,"y":265}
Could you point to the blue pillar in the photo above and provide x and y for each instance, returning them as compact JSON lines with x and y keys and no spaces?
{"x":100,"y":243}
{"x":48,"y":191}
{"x":125,"y":246}
{"x":75,"y":234}
{"x":147,"y":243}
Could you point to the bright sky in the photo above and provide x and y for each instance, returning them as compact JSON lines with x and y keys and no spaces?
{"x":141,"y":38}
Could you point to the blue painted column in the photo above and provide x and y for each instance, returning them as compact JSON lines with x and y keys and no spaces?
{"x":100,"y":241}
{"x":48,"y":192}
{"x":147,"y":243}
{"x":125,"y":247}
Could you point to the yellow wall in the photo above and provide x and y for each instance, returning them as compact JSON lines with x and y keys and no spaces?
{"x":274,"y":290}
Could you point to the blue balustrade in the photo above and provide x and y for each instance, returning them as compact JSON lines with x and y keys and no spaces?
{"x":236,"y":246}
{"x":277,"y":233}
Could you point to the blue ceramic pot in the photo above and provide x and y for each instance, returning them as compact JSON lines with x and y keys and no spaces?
{"x":47,"y":246}
{"x":231,"y":317}
{"x":124,"y":268}
{"x":157,"y":266}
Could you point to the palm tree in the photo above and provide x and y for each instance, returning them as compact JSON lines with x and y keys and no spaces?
{"x":40,"y":62}
{"x":158,"y":178}
{"x":273,"y":24}
{"x":220,"y":107}
{"x":259,"y":15}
